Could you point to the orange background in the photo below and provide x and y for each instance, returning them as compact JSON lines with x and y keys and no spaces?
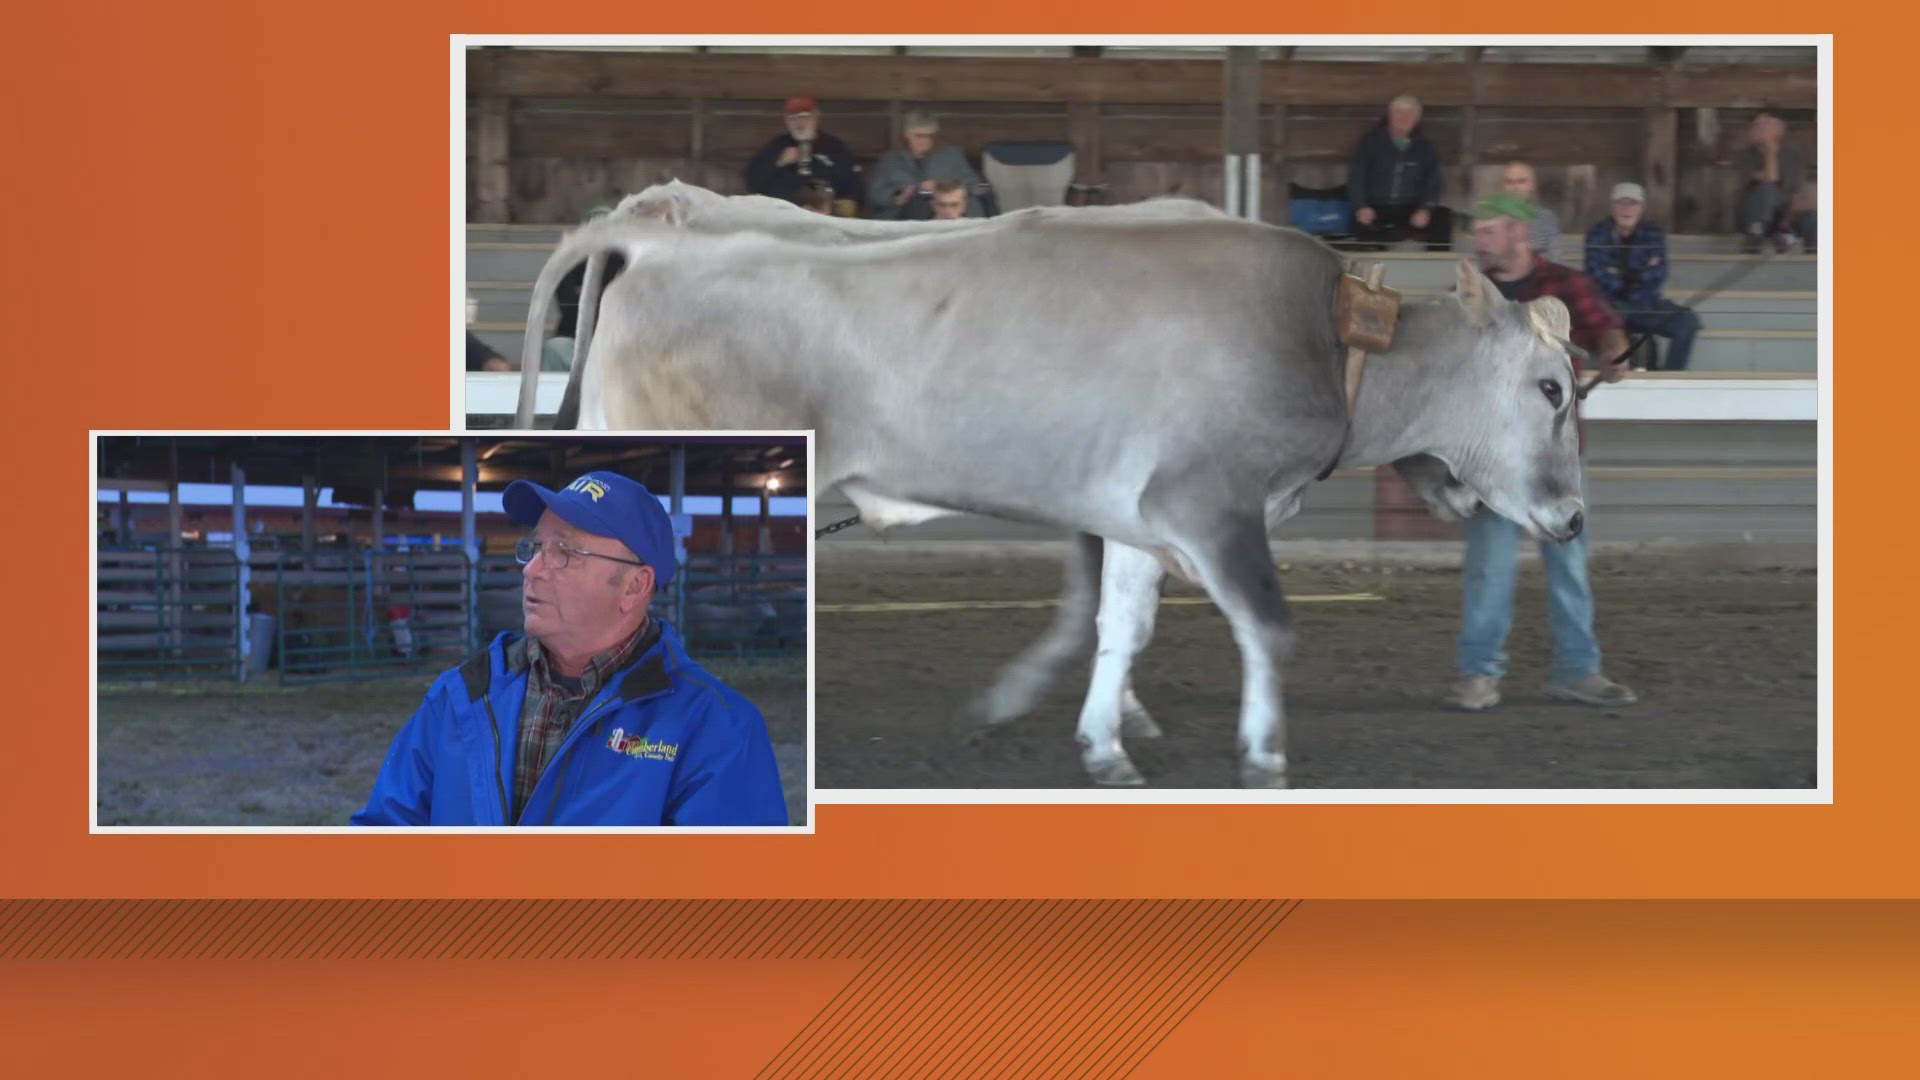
{"x":238,"y":217}
{"x":241,"y":219}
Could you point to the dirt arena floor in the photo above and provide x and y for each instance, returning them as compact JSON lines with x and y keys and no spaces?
{"x":1724,"y":660}
{"x":217,"y":753}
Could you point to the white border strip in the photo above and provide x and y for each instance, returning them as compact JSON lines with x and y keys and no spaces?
{"x":93,"y":672}
{"x":1780,"y":400}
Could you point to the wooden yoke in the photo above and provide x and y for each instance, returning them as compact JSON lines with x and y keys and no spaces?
{"x":1365,"y":314}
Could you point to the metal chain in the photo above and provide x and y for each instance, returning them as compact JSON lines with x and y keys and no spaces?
{"x":836,"y":527}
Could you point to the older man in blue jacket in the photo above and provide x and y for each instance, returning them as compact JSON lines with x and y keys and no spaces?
{"x":595,"y":716}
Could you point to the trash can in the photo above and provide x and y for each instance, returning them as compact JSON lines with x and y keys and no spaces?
{"x":260,"y":628}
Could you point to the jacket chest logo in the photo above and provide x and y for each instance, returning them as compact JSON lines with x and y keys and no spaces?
{"x":637,"y":746}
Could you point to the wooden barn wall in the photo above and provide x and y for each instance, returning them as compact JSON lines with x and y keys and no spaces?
{"x":550,"y":134}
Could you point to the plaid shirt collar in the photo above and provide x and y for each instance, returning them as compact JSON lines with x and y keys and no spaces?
{"x":545,"y":680}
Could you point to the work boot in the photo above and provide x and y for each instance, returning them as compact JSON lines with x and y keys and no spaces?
{"x":1593,"y":689}
{"x":1474,"y":693}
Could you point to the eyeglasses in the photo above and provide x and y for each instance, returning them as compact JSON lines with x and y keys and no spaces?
{"x":526,"y":549}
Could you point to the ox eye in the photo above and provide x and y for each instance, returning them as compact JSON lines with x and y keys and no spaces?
{"x":1552,"y":389}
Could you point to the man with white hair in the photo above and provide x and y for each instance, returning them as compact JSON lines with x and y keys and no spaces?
{"x":804,"y":156}
{"x":903,"y":178}
{"x":1491,"y":561}
{"x":1395,"y":182}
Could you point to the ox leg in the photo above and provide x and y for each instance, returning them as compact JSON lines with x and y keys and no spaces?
{"x":1023,"y":681}
{"x":1238,"y":572}
{"x":1129,"y":596}
{"x":1135,"y":721}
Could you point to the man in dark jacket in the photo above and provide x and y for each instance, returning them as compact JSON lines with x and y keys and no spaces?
{"x":805,"y":157}
{"x":1395,"y":182}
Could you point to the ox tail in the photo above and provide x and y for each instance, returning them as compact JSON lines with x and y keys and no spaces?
{"x":592,"y":242}
{"x":569,"y":416}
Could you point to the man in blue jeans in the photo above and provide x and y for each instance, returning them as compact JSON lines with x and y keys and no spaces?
{"x":1493,"y":542}
{"x":1627,"y":259}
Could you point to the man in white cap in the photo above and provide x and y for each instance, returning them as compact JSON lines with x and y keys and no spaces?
{"x":596,"y":716}
{"x":1627,"y":260}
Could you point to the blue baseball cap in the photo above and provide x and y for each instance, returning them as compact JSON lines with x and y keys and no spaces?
{"x":605,"y":504}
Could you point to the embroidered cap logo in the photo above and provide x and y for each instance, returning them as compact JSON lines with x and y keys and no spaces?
{"x":593,"y":488}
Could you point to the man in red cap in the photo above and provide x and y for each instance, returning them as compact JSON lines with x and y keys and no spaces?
{"x":806,"y":157}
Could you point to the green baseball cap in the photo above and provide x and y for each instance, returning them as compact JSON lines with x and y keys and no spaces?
{"x":1504,"y":204}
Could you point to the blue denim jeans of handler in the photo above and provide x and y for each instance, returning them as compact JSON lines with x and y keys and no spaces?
{"x":1489,"y":569}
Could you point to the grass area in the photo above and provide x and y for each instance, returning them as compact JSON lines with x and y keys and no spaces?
{"x":219,"y":753}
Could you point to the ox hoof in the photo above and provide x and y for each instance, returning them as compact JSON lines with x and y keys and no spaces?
{"x":1115,"y":772}
{"x":1136,"y":724}
{"x":990,"y":710}
{"x":1256,"y":775}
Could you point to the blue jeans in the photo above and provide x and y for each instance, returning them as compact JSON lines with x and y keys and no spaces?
{"x":1668,"y":320}
{"x":1492,"y":563}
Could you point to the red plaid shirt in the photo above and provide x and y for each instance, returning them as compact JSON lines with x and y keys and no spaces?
{"x":552,"y":707}
{"x":1591,"y":316}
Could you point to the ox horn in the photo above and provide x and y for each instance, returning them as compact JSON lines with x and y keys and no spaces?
{"x":1549,"y":316}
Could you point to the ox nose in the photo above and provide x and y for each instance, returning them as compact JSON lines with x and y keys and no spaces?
{"x":1574,"y":523}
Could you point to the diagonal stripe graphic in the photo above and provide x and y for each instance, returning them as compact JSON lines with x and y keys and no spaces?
{"x":1031,"y":988}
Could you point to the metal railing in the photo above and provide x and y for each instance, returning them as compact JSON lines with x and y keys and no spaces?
{"x":354,"y":614}
{"x":348,"y":614}
{"x":168,"y":613}
{"x":741,"y":605}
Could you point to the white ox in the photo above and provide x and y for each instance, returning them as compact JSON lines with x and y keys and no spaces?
{"x":1166,"y":381}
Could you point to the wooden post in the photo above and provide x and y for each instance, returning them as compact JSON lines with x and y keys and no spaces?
{"x":1657,"y":162}
{"x":1241,"y":135}
{"x":1470,"y":121}
{"x":309,"y":499}
{"x":176,"y":560}
{"x":243,"y":555}
{"x":766,"y":520}
{"x":1083,"y":131}
{"x":697,"y":136}
{"x":491,"y":156}
{"x":469,"y":537}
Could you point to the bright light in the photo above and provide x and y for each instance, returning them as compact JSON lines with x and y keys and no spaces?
{"x":773,"y":483}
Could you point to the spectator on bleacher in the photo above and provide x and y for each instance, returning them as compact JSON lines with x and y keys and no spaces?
{"x":1772,"y":204}
{"x":1627,"y":259}
{"x":817,"y":197}
{"x":804,"y":154}
{"x":1491,"y":560}
{"x":1396,"y":184}
{"x":558,"y":355}
{"x":904,"y":176}
{"x":1543,"y":232}
{"x":480,"y":355}
{"x":949,"y":200}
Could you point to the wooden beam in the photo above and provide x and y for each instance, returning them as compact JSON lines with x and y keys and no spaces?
{"x":1659,"y":171}
{"x":933,"y":79}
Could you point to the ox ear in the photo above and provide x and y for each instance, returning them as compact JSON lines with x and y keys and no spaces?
{"x":1548,"y":314}
{"x":660,"y":202}
{"x":1471,"y":289}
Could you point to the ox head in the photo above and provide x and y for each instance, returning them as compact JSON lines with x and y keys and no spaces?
{"x":1505,"y":417}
